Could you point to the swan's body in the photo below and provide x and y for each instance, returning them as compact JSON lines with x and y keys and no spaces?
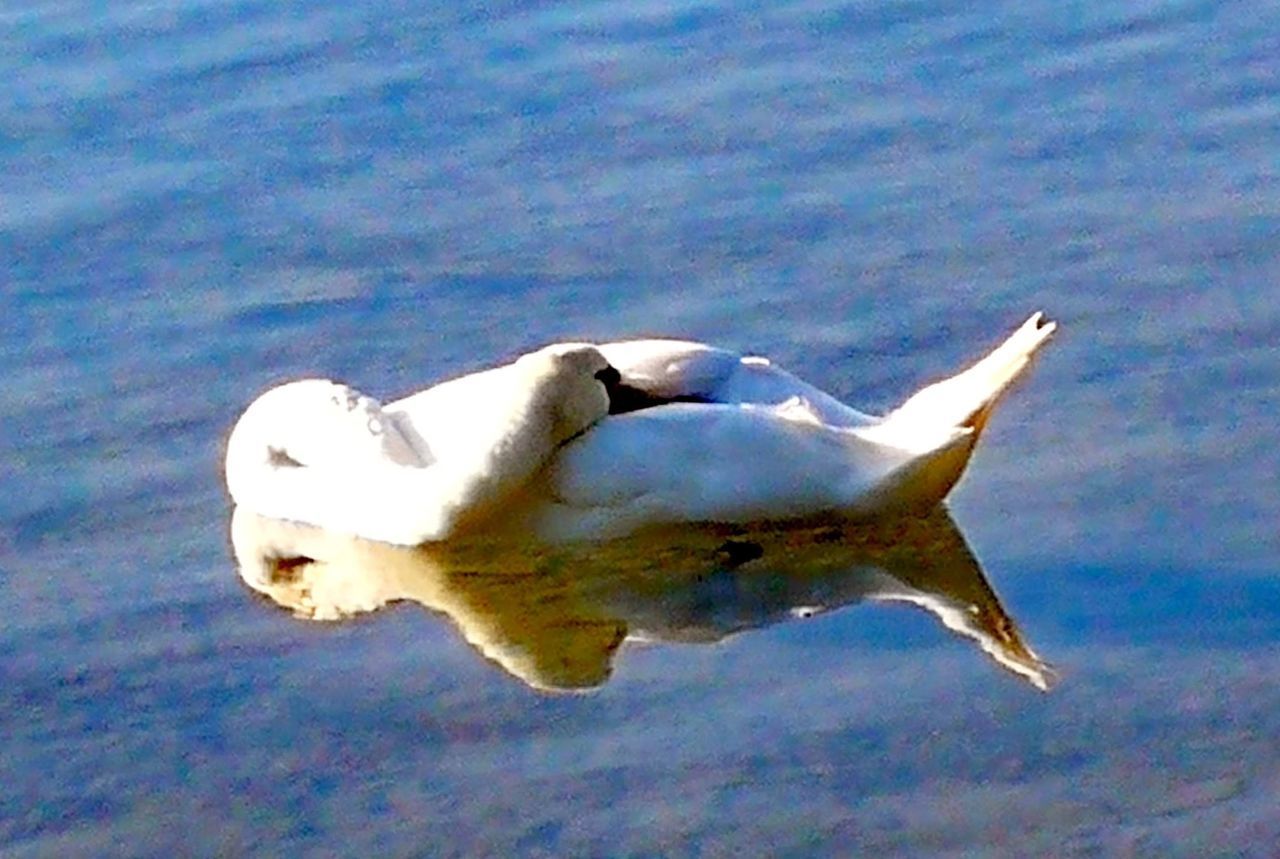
{"x":696,"y":434}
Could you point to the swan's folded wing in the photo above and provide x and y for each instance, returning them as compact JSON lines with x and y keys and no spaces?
{"x":678,"y":369}
{"x":726,"y":463}
{"x":672,"y":369}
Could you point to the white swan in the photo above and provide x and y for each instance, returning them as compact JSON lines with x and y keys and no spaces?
{"x":576,"y":441}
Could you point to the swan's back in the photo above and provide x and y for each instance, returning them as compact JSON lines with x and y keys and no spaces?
{"x":764,"y":445}
{"x":679,"y":369}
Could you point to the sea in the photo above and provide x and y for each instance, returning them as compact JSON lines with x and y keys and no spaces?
{"x":200,"y":199}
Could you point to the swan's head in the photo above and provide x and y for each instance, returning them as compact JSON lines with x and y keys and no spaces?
{"x":573,"y":381}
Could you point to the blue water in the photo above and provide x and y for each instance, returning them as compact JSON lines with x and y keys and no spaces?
{"x":200,"y":200}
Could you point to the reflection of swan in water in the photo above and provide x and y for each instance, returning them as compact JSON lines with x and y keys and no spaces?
{"x":582,"y":442}
{"x":553,"y":615}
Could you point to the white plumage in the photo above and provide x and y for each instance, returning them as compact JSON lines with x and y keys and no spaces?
{"x":706,"y":435}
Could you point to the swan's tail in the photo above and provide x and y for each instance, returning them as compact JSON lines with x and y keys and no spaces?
{"x":934,"y":431}
{"x":967,"y":399}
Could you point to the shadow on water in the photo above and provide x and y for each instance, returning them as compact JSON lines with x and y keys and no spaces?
{"x":555,"y":617}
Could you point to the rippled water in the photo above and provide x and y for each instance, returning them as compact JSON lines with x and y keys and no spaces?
{"x":199,"y":200}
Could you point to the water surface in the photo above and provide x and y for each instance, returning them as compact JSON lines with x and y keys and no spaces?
{"x":201,"y":200}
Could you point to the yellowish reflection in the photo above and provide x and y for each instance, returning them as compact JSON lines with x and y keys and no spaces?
{"x":554,"y":616}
